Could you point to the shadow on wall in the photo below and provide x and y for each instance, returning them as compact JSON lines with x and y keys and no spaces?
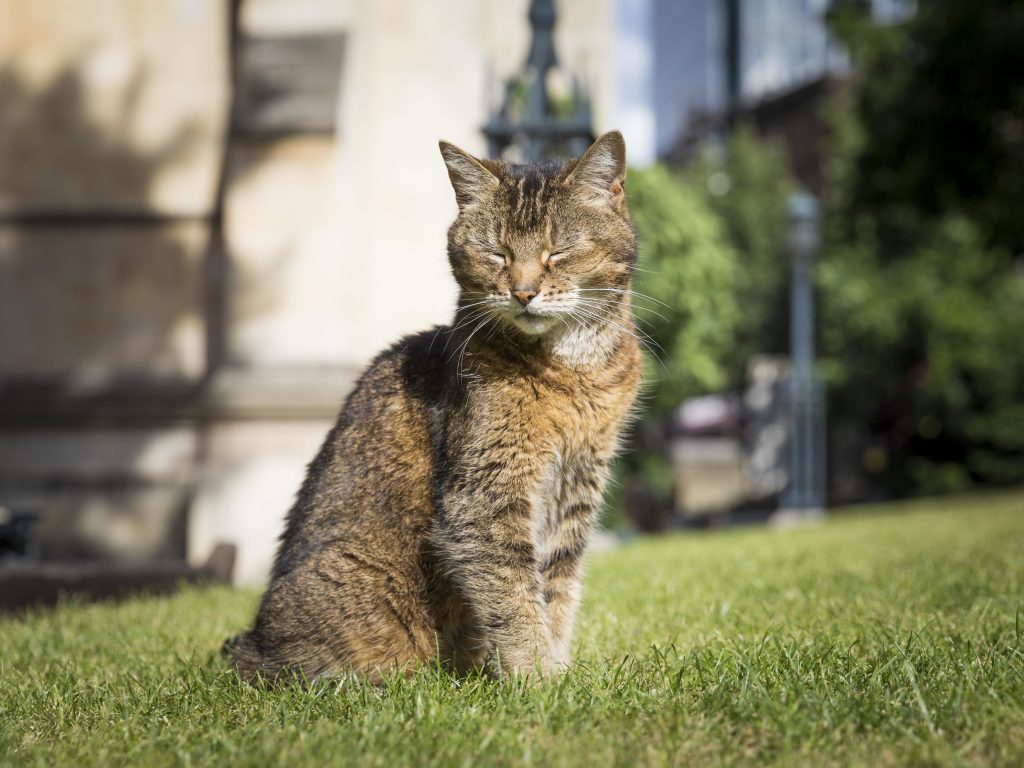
{"x":97,"y":284}
{"x":106,"y":301}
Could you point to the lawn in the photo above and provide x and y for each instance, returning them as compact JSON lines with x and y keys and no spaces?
{"x":889,"y":636}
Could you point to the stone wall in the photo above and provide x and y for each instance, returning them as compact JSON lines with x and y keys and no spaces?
{"x":111,"y":151}
{"x":112,"y":105}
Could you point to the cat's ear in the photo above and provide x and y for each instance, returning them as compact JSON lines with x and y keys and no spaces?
{"x":470,"y":178}
{"x":602,"y":169}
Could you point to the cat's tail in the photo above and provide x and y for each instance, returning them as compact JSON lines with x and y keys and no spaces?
{"x":244,"y":656}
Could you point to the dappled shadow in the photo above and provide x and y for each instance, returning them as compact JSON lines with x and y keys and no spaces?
{"x":94,"y":282}
{"x":104,"y":299}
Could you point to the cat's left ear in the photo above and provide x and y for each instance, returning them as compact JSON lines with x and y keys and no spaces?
{"x":470,"y":178}
{"x":602,"y":169}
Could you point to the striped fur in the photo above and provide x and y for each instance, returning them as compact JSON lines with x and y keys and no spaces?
{"x":446,"y":515}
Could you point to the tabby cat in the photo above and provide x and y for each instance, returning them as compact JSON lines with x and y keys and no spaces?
{"x":447,"y":512}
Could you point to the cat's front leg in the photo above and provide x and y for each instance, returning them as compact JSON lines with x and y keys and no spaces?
{"x":562,"y":574}
{"x":485,"y":535}
{"x":561,"y":566}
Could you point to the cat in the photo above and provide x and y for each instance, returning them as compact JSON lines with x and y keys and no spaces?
{"x":445,"y":516}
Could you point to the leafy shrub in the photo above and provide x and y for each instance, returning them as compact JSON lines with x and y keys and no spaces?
{"x":746,"y":185}
{"x":921,"y":298}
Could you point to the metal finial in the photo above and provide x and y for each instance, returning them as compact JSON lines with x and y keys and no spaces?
{"x":542,"y":45}
{"x":527,"y":119}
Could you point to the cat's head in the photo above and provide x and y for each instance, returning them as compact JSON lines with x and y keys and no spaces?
{"x":540,"y":245}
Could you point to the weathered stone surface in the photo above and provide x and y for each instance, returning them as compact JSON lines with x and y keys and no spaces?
{"x":126,"y":523}
{"x":710,"y":474}
{"x":102,"y":493}
{"x":295,"y":17}
{"x":335,"y":246}
{"x":89,"y":304}
{"x":164,"y":455}
{"x":287,"y":83}
{"x":289,"y":298}
{"x":112,"y":104}
{"x":248,"y":480}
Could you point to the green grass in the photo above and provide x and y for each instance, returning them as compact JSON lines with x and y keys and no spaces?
{"x":892,"y":637}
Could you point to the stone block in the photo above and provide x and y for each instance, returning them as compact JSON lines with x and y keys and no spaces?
{"x":250,"y":475}
{"x":290,"y":300}
{"x":164,"y":455}
{"x":89,"y":304}
{"x":709,"y":473}
{"x":106,"y":494}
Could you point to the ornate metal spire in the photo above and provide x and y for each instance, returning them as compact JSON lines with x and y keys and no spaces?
{"x":530,"y":124}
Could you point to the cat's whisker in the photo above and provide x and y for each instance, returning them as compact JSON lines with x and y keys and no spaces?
{"x":607,"y":304}
{"x":489,"y":300}
{"x":641,"y":302}
{"x":465,"y":345}
{"x":635,"y":333}
{"x":613,"y":302}
{"x":632,"y":292}
{"x":651,"y":325}
{"x":590,"y":314}
{"x":456,"y":353}
{"x":472,"y":317}
{"x":448,"y":330}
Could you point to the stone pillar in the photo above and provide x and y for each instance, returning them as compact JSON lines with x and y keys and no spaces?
{"x":288,"y":330}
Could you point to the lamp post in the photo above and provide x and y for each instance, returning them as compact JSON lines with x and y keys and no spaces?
{"x":805,"y":495}
{"x":528,"y":119}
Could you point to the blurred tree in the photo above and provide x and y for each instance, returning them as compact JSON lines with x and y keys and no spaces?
{"x":746,"y":184}
{"x":925,"y":350}
{"x":922,"y":294}
{"x":942,"y":96}
{"x":921,"y":288}
{"x":687,"y":314}
{"x":687,"y":300}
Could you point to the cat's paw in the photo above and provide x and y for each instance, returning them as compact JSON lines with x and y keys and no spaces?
{"x":561,"y":657}
{"x":526,"y":667}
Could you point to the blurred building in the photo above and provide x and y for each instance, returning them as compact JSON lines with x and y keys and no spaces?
{"x":713,"y":55}
{"x":212,"y":214}
{"x":771,"y":63}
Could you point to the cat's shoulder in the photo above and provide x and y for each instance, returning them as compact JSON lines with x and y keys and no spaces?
{"x":412,"y":365}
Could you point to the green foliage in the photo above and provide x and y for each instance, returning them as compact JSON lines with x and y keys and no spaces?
{"x":746,"y":185}
{"x":687,"y":314}
{"x":894,"y":638}
{"x":920,"y":286}
{"x":927,"y":350}
{"x":686,"y":297}
{"x":711,"y":285}
{"x":942,"y":97}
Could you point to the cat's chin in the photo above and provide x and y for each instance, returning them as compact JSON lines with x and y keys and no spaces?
{"x":533,"y":324}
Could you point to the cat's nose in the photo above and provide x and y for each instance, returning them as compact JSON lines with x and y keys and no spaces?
{"x":524,"y":296}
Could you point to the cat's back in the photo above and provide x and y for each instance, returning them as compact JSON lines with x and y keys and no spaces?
{"x":371,"y":476}
{"x":399,"y":392}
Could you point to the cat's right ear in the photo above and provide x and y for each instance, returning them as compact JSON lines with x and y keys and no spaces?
{"x":471,"y":180}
